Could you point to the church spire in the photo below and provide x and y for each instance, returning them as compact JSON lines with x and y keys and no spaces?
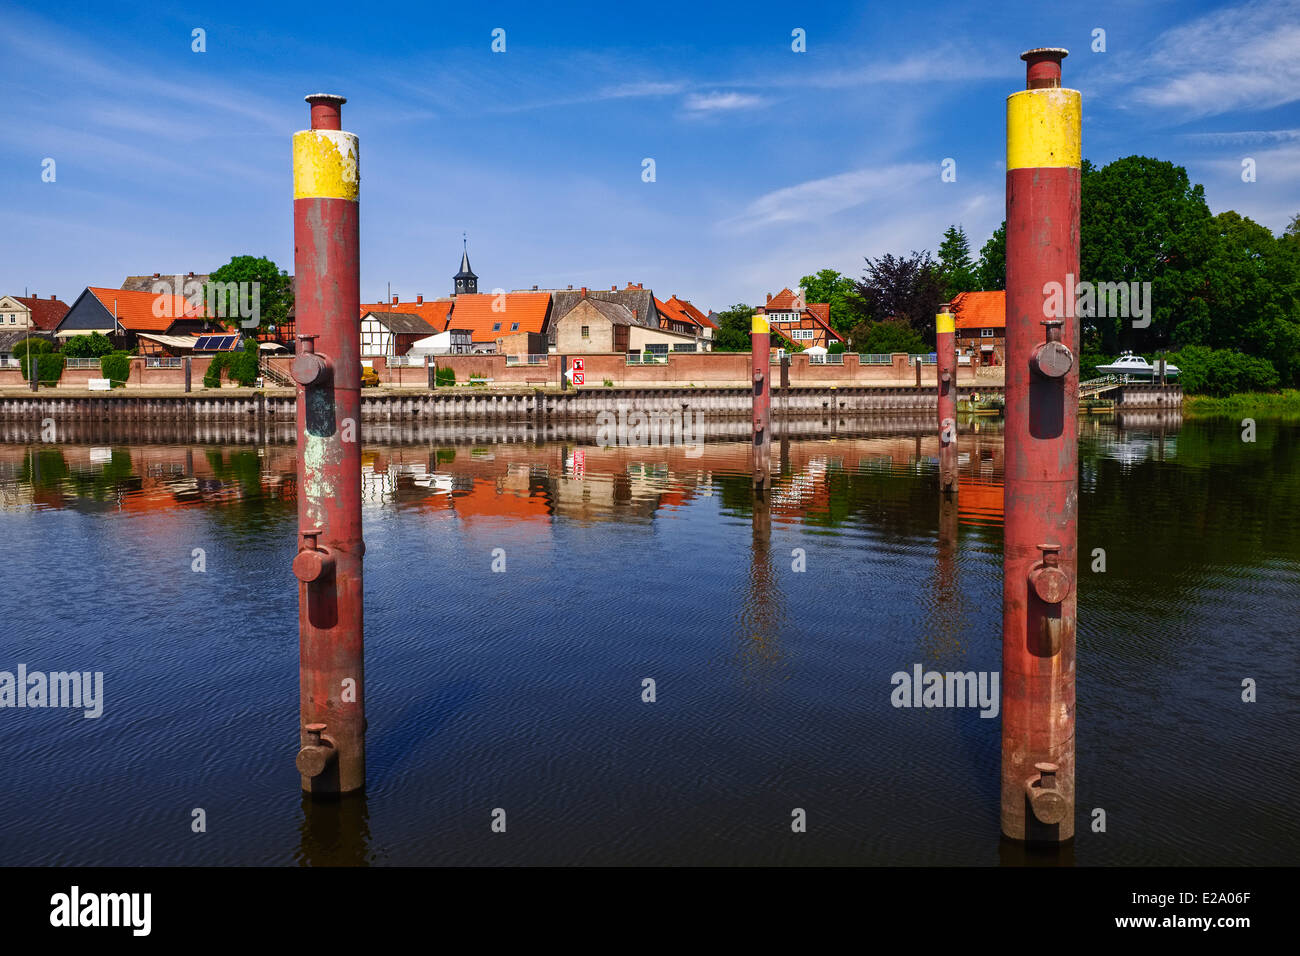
{"x":466,"y":282}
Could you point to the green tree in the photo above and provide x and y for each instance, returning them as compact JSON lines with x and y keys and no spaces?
{"x":888,"y":336}
{"x":733,"y":329}
{"x":94,"y":345}
{"x":907,"y":288}
{"x":955,"y":266}
{"x":274,"y":290}
{"x":991,"y":272}
{"x":840,"y":292}
{"x":1143,"y":220}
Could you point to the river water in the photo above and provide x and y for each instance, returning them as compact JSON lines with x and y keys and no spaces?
{"x":771,"y":637}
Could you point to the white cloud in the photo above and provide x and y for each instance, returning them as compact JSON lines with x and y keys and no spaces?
{"x":819,"y":198}
{"x":722,"y":102}
{"x":1242,"y":57}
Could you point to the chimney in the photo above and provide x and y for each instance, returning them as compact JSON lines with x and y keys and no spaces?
{"x":419,"y":299}
{"x":571,"y":288}
{"x":613,"y":288}
{"x":394,"y":300}
{"x":534,"y":288}
{"x":190,"y":276}
{"x":157,"y":274}
{"x":769,"y":297}
{"x":52,"y":297}
{"x":584,"y":291}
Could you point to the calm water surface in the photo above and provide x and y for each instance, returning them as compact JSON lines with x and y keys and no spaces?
{"x":522,"y":690}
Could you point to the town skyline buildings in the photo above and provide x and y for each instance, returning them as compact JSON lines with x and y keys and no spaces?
{"x":768,"y":164}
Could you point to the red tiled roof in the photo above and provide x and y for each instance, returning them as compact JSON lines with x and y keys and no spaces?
{"x":474,"y":312}
{"x":434,"y":312}
{"x":980,"y":310}
{"x":46,"y":313}
{"x":685,"y":307}
{"x":144,"y":311}
{"x":820,"y":312}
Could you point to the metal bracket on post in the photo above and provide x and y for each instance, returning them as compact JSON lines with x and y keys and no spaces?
{"x":1052,"y":358}
{"x":309,"y":366}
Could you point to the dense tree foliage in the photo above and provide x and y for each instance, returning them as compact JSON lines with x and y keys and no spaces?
{"x":93,"y":345}
{"x":840,"y":292}
{"x":991,"y":272}
{"x":733,"y":329}
{"x":956,"y":269}
{"x":274,"y":290}
{"x":908,"y":289}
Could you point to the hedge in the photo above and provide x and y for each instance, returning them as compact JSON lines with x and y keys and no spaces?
{"x":49,"y":366}
{"x":116,"y":367}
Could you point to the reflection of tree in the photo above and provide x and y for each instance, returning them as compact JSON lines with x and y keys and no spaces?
{"x":48,"y":470}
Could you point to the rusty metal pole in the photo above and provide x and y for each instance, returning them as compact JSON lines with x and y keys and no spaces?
{"x":327,"y":368}
{"x":760,"y":343}
{"x":1042,"y":485}
{"x":946,"y":372}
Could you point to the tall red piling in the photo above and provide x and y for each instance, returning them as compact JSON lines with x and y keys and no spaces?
{"x":760,"y":344}
{"x":327,"y":369}
{"x":1039,"y":592}
{"x":946,"y":372}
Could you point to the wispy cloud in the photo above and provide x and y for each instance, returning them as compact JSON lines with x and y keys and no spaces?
{"x":1242,"y":57}
{"x":819,"y":198}
{"x":718,"y":102}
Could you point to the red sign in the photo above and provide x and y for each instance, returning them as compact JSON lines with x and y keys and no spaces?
{"x":577,"y":366}
{"x":579,"y":378}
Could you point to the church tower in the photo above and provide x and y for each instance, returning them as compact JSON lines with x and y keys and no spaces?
{"x":466,"y":281}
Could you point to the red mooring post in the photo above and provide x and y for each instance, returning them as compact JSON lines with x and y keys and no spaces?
{"x":327,"y":368}
{"x":945,"y":346}
{"x":760,"y":344}
{"x":1042,"y":487}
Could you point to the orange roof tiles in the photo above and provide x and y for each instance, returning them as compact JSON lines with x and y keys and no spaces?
{"x":475,"y":312}
{"x":144,"y":311}
{"x":980,"y":310}
{"x":434,"y":312}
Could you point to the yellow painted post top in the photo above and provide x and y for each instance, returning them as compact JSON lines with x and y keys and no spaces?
{"x":1044,"y":129}
{"x":326,"y":165}
{"x":758,"y":324}
{"x":943,"y":322}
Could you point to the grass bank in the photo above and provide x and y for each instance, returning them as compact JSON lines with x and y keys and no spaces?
{"x":1285,"y":402}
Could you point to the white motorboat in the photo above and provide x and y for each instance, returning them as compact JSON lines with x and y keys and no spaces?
{"x":1130,"y":364}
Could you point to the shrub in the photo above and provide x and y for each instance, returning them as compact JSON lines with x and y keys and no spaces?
{"x":116,"y":367}
{"x":240,"y":367}
{"x":49,"y":365}
{"x":1222,"y":372}
{"x":94,"y":345}
{"x":444,"y":376}
{"x":38,"y":347}
{"x":835,"y":348}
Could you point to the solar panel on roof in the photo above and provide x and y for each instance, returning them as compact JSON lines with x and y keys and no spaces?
{"x":201,"y":343}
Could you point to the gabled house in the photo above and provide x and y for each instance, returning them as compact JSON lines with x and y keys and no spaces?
{"x":492,"y":317}
{"x":803,"y":323}
{"x":31,"y":312}
{"x":125,"y":313}
{"x":625,"y":320}
{"x":393,"y":333}
{"x":980,"y":327}
{"x":691,"y":319}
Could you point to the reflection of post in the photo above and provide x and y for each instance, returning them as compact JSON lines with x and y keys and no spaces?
{"x":761,"y":611}
{"x":334,"y":832}
{"x":946,"y":370}
{"x":332,"y":757}
{"x":760,"y":342}
{"x":1041,"y":491}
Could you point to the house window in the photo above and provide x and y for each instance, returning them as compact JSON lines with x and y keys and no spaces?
{"x":658,"y":348}
{"x":586,"y":331}
{"x":986,"y":333}
{"x":514,"y":326}
{"x":802,"y":333}
{"x":496,"y":327}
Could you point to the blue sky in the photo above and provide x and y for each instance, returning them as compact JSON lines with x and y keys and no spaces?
{"x":769,"y":163}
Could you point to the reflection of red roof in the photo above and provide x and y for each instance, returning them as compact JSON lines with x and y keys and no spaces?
{"x":979,"y":501}
{"x":980,"y":310}
{"x":475,"y":312}
{"x":46,"y":313}
{"x":434,"y":312}
{"x":144,"y":311}
{"x":486,"y":501}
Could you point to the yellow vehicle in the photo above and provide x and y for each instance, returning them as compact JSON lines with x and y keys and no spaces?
{"x":369,"y":377}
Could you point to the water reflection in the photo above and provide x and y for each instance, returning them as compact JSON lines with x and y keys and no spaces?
{"x":523,"y":690}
